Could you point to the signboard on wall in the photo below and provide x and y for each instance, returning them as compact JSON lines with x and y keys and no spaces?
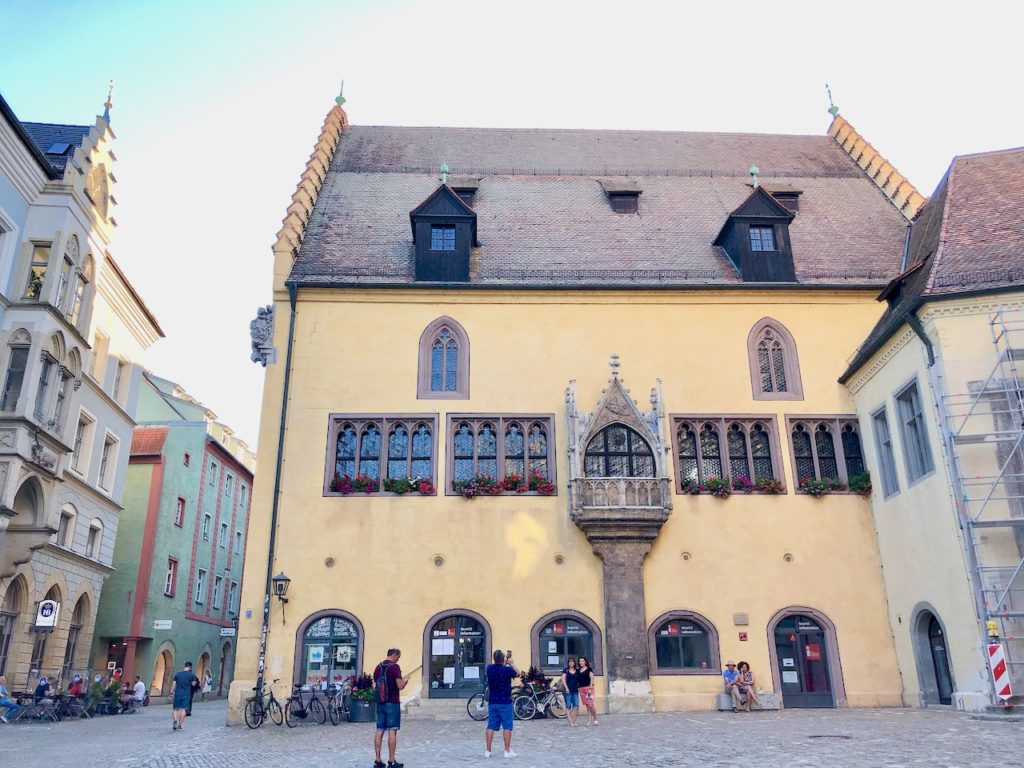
{"x":162,"y":623}
{"x":46,"y":616}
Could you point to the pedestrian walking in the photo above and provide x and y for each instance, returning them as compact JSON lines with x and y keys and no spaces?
{"x":585,"y":675}
{"x":13,"y":708}
{"x":387,"y":677}
{"x":571,"y":686}
{"x":207,"y":682}
{"x":183,"y":687}
{"x":499,"y":709}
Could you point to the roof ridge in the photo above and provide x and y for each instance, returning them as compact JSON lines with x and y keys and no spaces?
{"x":950,"y":177}
{"x":592,"y":130}
{"x":988,"y":152}
{"x":57,"y":125}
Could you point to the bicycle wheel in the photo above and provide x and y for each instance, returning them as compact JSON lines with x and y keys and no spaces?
{"x":477,"y":706}
{"x":557,"y":708}
{"x":317,"y":711}
{"x":253,"y":713}
{"x":274,"y":712}
{"x":334,"y":711}
{"x":524,"y":707}
{"x":294,"y":713}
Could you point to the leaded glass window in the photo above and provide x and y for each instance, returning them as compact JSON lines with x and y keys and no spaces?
{"x":826,"y":445}
{"x":487,"y":452}
{"x":710,"y":452}
{"x":369,"y":451}
{"x":515,"y":451}
{"x":852,"y":451}
{"x":537,"y":445}
{"x":360,"y":448}
{"x":618,"y":451}
{"x":774,"y":368}
{"x":803,"y":455}
{"x":761,"y":452}
{"x":738,"y":464}
{"x":499,"y":447}
{"x":748,"y":451}
{"x":771,"y":359}
{"x":398,"y":451}
{"x":818,"y":455}
{"x":443,"y":361}
{"x":330,"y":649}
{"x":686,"y":454}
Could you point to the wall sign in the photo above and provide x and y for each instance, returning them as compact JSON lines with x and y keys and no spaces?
{"x":162,"y":623}
{"x":46,"y":616}
{"x":743,"y":637}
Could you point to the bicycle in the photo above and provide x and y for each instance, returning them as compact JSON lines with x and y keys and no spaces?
{"x":295,"y":712}
{"x":478,"y":704}
{"x":530,"y":701}
{"x":337,"y":701}
{"x":257,"y":710}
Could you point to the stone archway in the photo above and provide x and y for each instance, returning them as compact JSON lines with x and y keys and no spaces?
{"x":931,"y":656}
{"x":828,"y":655}
{"x":163,"y":672}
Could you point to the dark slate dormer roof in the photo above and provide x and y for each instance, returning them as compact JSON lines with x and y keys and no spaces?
{"x":968,"y":238}
{"x":443,"y":203}
{"x":46,"y":135}
{"x":759,"y":205}
{"x":544,"y":220}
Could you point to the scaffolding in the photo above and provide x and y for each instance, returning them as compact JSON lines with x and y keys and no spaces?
{"x":984,"y":431}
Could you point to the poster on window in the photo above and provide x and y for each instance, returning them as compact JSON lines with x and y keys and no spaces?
{"x":790,"y":677}
{"x":316,"y":654}
{"x":342,"y":654}
{"x":813,"y":652}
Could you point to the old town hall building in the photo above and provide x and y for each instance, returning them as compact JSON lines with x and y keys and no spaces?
{"x":575,"y":392}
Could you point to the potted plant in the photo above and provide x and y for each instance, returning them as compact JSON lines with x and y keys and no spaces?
{"x":769,"y":485}
{"x":690,"y":485}
{"x":514,"y":482}
{"x":861,"y":484}
{"x":361,"y":483}
{"x":362,"y":702}
{"x":718,"y":486}
{"x":742,"y":484}
{"x":540,"y":483}
{"x":819,"y":488}
{"x":478,"y":485}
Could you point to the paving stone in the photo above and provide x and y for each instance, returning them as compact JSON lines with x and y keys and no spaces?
{"x":892,"y":738}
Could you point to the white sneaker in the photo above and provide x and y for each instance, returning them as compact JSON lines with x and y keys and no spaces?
{"x":487,"y":753}
{"x":510,"y":753}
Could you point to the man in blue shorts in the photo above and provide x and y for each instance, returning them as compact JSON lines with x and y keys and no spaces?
{"x":388,"y":681}
{"x":499,"y":713}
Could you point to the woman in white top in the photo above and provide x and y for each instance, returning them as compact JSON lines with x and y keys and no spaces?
{"x":207,"y":683}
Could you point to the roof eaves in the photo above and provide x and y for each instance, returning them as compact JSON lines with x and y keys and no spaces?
{"x":19,"y":129}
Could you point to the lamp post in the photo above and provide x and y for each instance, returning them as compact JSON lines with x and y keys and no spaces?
{"x":280,"y":585}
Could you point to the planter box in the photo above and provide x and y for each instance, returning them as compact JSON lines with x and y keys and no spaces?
{"x":362,"y":711}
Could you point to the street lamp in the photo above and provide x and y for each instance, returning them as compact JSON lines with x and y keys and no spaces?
{"x":280,"y":584}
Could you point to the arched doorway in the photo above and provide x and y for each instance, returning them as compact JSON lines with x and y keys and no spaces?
{"x":805,"y":659}
{"x":39,"y":664}
{"x":457,"y":649}
{"x":10,"y":610}
{"x":932,"y":656}
{"x":79,"y":619}
{"x":28,"y":503}
{"x":328,"y":648}
{"x":202,"y":666}
{"x":163,"y":670}
{"x":225,"y":665}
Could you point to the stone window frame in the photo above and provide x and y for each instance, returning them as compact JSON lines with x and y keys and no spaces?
{"x":596,"y":662}
{"x":715,"y":662}
{"x":723,"y":422}
{"x":918,"y":459}
{"x":300,"y":636}
{"x":794,"y":382}
{"x":440,"y":616}
{"x":384,"y":421}
{"x":836,"y":422}
{"x":427,"y":339}
{"x":499,"y":420}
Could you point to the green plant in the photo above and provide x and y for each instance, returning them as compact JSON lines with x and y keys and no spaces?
{"x":540,"y":483}
{"x":742,"y":483}
{"x":819,"y":488}
{"x":363,"y":688}
{"x":769,"y":485}
{"x":514,"y":482}
{"x":478,"y":485}
{"x":361,"y":483}
{"x":535,"y":677}
{"x":861,"y":483}
{"x":718,"y":486}
{"x":690,"y":485}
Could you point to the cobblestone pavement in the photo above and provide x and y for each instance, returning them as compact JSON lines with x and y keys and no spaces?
{"x":889,"y":738}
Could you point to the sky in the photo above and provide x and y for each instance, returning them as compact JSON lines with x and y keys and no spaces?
{"x":217,"y":106}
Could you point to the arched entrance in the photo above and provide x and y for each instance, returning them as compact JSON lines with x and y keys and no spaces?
{"x":40,"y":663}
{"x":225,"y":664}
{"x":28,"y":503}
{"x":932,"y":656}
{"x":202,"y":666}
{"x":10,"y":610}
{"x":163,"y":671}
{"x":456,"y":649}
{"x":805,"y":659}
{"x":328,"y":648}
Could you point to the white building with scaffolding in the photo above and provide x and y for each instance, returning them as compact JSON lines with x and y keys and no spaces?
{"x":938,"y":391}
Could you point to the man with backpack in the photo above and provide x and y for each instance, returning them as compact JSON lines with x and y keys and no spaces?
{"x":388,"y":680}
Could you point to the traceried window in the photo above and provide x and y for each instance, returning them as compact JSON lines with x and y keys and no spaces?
{"x":372,"y":449}
{"x":502,"y":448}
{"x":618,"y":451}
{"x":774,"y":370}
{"x":443,"y":361}
{"x":826,"y":448}
{"x":712,"y":447}
{"x":684,"y":643}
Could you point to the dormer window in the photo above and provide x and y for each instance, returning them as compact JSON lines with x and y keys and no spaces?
{"x":623,"y":194}
{"x":465,"y":187}
{"x":624,"y":203}
{"x":762,"y":238}
{"x":442,"y":238}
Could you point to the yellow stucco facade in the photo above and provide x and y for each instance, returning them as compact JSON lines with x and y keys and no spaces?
{"x":737,"y":562}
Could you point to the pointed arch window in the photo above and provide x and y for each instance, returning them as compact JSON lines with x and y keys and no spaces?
{"x":618,"y":451}
{"x":443,"y":361}
{"x":724,"y":447}
{"x":826,"y":448}
{"x":373,"y":450}
{"x":515,"y":451}
{"x":774,"y":367}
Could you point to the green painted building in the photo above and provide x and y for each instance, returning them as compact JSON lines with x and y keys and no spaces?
{"x":180,"y":548}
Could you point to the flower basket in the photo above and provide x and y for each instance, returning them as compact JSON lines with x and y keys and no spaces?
{"x":690,"y":485}
{"x":478,"y":485}
{"x":742,"y":484}
{"x":361,"y":483}
{"x":360,"y":711}
{"x":540,"y":483}
{"x":515,"y":483}
{"x":769,"y":485}
{"x":861,"y":484}
{"x":402,"y":485}
{"x":717,"y":486}
{"x":819,"y":488}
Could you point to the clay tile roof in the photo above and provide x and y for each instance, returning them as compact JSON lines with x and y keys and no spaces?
{"x":148,"y":441}
{"x":968,"y":237}
{"x":544,"y":220}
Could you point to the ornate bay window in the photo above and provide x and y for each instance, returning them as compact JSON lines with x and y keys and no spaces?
{"x":365,"y":452}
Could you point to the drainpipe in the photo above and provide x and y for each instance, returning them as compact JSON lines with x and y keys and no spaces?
{"x":915,"y":325}
{"x":261,"y":666}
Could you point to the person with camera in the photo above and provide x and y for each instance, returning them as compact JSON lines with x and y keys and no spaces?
{"x":500,"y":675}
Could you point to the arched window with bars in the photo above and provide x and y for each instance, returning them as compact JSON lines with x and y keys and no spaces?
{"x":368,"y":454}
{"x":443,"y":361}
{"x":748,"y":452}
{"x":827,"y":448}
{"x":774,"y":367}
{"x":514,"y":453}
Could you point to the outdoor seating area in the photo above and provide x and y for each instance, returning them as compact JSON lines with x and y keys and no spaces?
{"x":62,"y":707}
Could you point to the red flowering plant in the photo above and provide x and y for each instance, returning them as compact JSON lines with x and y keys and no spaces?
{"x":861,"y":483}
{"x":478,"y":485}
{"x":361,"y":483}
{"x":819,"y":488}
{"x":769,"y":485}
{"x":514,"y":482}
{"x":424,"y":486}
{"x":690,"y":485}
{"x":540,"y":483}
{"x":717,"y":486}
{"x":742,"y":484}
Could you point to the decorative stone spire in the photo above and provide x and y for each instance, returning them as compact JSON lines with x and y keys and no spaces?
{"x":109,"y":103}
{"x":340,"y":99}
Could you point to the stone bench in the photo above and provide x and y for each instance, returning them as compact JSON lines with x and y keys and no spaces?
{"x":768,"y":700}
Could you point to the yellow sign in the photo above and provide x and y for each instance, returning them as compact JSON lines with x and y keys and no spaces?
{"x":993,"y":628}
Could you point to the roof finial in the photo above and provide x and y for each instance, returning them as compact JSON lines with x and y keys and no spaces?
{"x":754,"y":171}
{"x":613,"y":363}
{"x":444,"y":173}
{"x":832,"y":108}
{"x":109,"y":103}
{"x":340,"y":100}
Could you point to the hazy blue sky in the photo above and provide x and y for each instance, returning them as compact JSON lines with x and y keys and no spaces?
{"x":217,"y":106}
